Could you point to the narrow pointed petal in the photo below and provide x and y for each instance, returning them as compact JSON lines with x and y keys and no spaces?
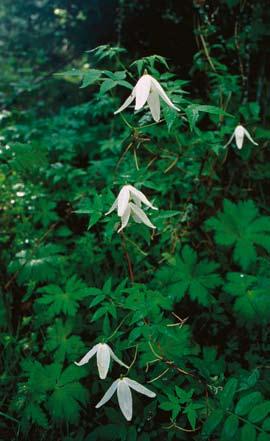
{"x":142,"y":90}
{"x":126,"y":103}
{"x":108,"y":395}
{"x":123,"y":199}
{"x":139,"y":195}
{"x":249,"y":137}
{"x":239,"y":136}
{"x":140,"y":214}
{"x":113,"y":207}
{"x":115,"y":358}
{"x":125,"y":219}
{"x":154,"y":104}
{"x":87,"y":357}
{"x":124,"y":399}
{"x":136,"y":218}
{"x":103,"y":360}
{"x":230,"y":140}
{"x":139,"y":388}
{"x":159,"y":89}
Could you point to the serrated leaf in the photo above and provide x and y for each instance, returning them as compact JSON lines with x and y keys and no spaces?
{"x":240,"y":226}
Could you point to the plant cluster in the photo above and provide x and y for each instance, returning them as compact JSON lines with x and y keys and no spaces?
{"x":141,"y":238}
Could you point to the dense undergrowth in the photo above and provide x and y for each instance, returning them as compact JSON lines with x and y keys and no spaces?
{"x":185,"y":305}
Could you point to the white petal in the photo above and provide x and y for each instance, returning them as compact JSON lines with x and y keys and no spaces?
{"x":230,"y":140}
{"x":249,"y":137}
{"x":124,"y":399}
{"x":139,"y":195}
{"x":126,"y":103}
{"x":87,"y":357}
{"x":139,"y":388}
{"x":123,"y":199}
{"x":154,"y":104}
{"x":125,"y":219}
{"x":136,"y":218}
{"x":115,"y":358}
{"x":142,"y":90}
{"x":239,"y":136}
{"x":113,"y":207}
{"x":108,"y":395}
{"x":156,"y":86}
{"x":140,"y":214}
{"x":103,"y":360}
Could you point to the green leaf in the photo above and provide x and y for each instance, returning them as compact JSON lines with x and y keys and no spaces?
{"x":65,"y":300}
{"x":230,"y":427}
{"x":67,"y":393}
{"x":226,"y":397}
{"x":212,"y":422}
{"x":248,"y":433}
{"x":259,"y":412}
{"x":246,"y":403}
{"x":240,"y":226}
{"x":191,"y":276}
{"x":91,"y":77}
{"x":251,"y":295}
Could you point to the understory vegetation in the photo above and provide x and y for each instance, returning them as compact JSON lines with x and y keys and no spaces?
{"x":181,"y":294}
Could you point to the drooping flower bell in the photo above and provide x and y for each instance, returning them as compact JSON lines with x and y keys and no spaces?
{"x":239,"y":133}
{"x":123,"y":386}
{"x":126,"y":208}
{"x":104,"y":354}
{"x":148,"y":90}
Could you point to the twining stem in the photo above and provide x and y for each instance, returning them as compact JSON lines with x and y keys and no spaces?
{"x":130,"y":270}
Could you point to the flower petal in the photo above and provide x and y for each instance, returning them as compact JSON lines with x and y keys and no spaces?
{"x":139,"y":388}
{"x":126,"y":103}
{"x":113,"y":207}
{"x":249,"y":137}
{"x":115,"y":358}
{"x":124,"y":399}
{"x":140,"y":214}
{"x":108,"y":395}
{"x":154,"y":104}
{"x":125,"y":219}
{"x":230,"y":140}
{"x":87,"y":357}
{"x":139,"y":195}
{"x":239,"y":136}
{"x":103,"y":360}
{"x":123,"y":199}
{"x":159,"y":89}
{"x":142,"y":90}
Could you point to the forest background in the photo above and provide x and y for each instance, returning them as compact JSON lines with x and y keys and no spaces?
{"x":186,"y":305}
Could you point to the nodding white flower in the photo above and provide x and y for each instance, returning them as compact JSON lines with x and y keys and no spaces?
{"x":123,"y":386}
{"x":104,"y":354}
{"x":148,"y":90}
{"x":239,"y":133}
{"x":126,"y":208}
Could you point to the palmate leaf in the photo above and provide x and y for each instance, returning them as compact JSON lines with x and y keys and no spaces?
{"x":67,"y":393}
{"x":39,"y":265}
{"x":61,"y":343}
{"x":63,"y":300}
{"x":189,"y":276}
{"x":241,"y":227}
{"x":252,"y":301}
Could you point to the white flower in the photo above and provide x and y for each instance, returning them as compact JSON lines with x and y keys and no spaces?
{"x":104,"y":353}
{"x":126,"y":208}
{"x":148,"y":90}
{"x":123,"y":386}
{"x":239,"y":133}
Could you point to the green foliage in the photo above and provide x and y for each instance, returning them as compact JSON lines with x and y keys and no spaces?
{"x":240,"y":226}
{"x":185,"y":305}
{"x":188,"y":275}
